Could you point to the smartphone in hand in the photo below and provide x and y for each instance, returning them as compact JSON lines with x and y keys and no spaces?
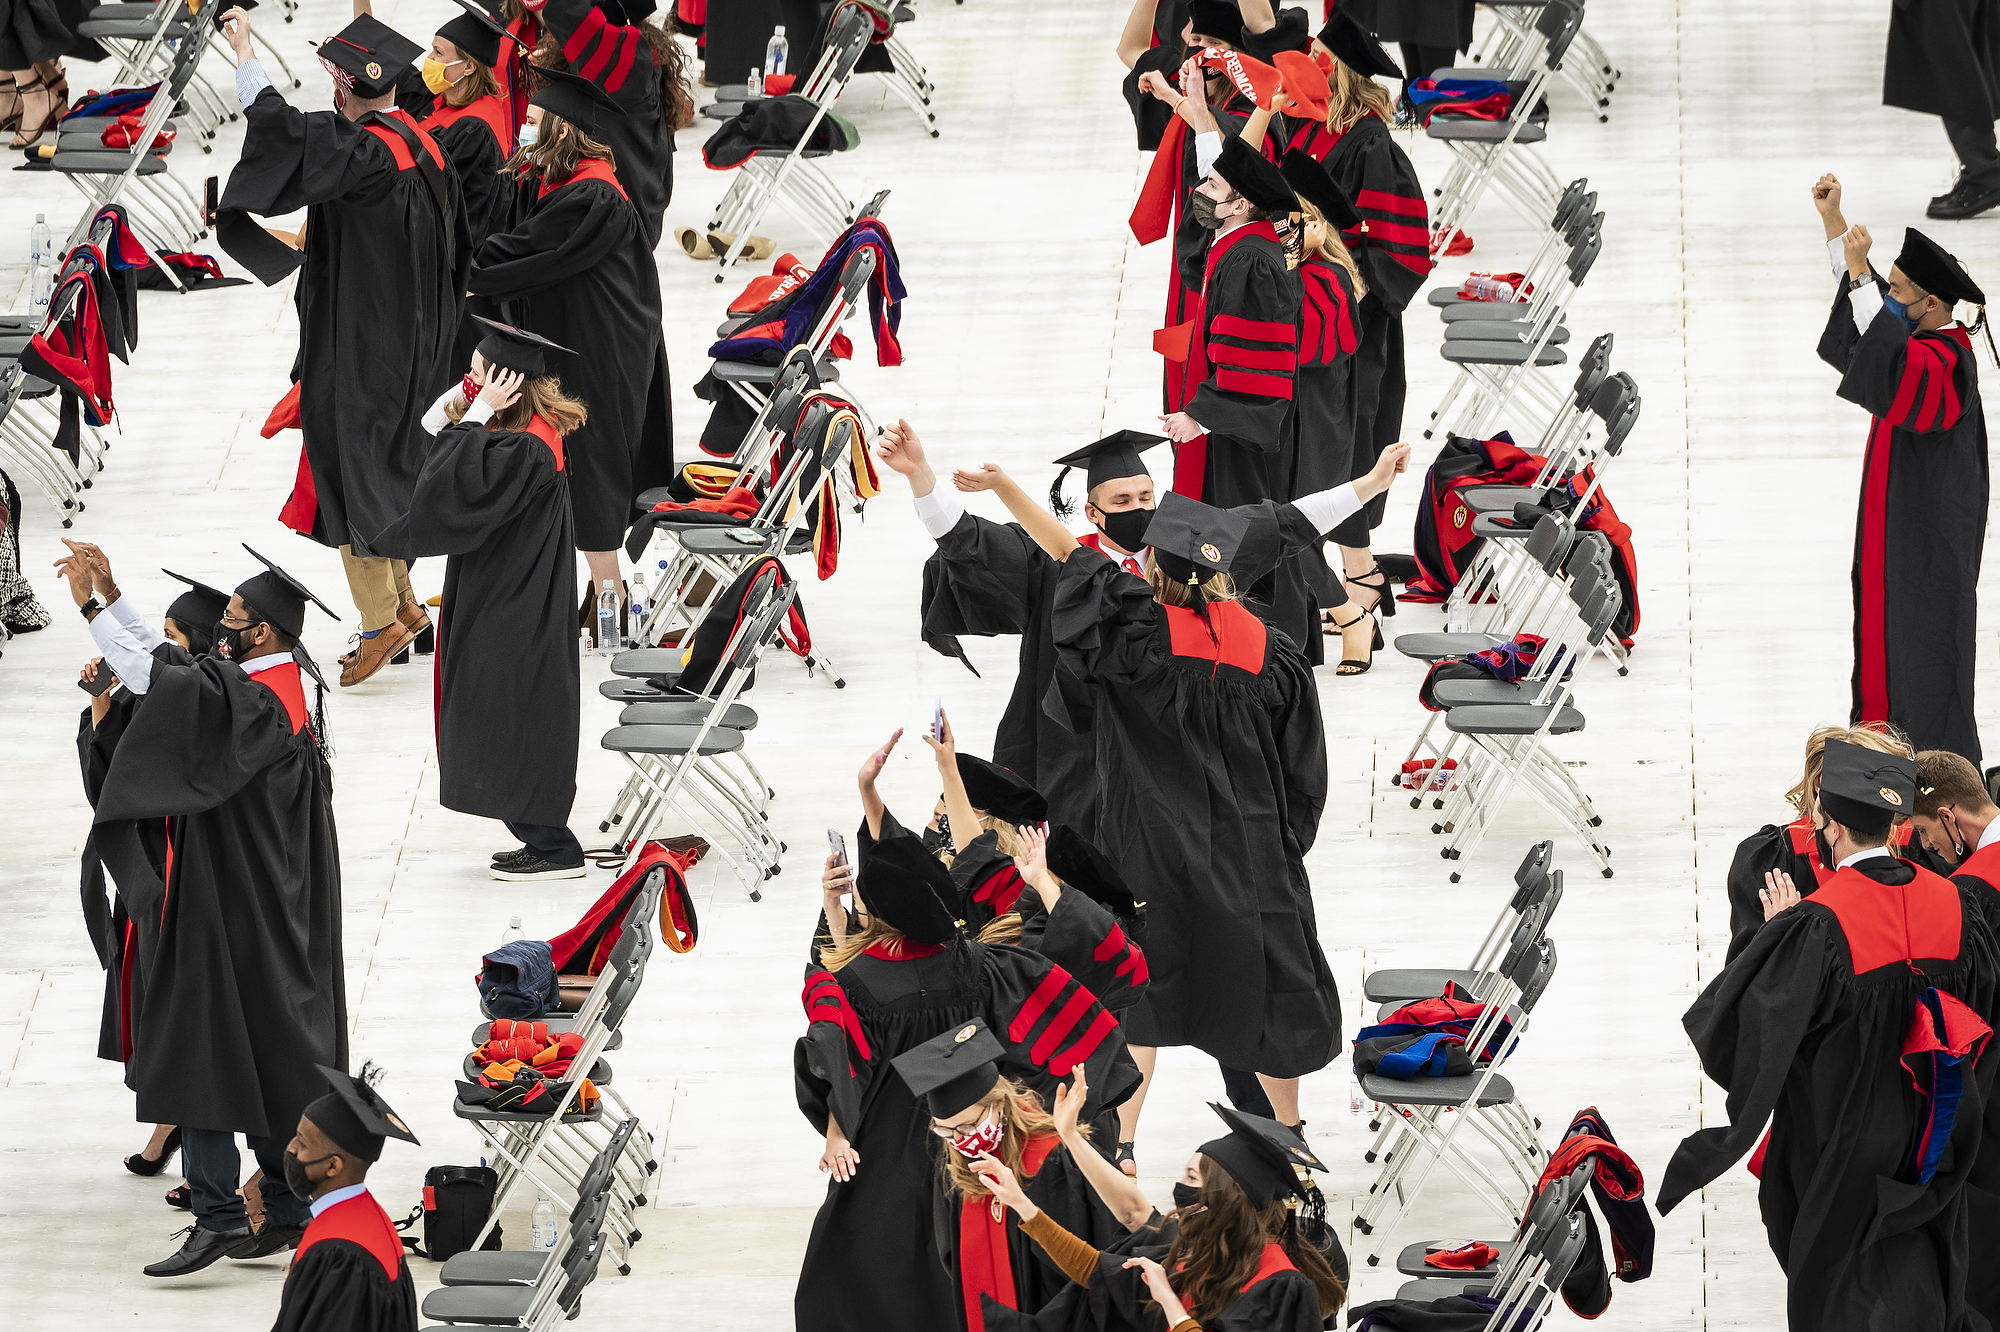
{"x":837,"y":844}
{"x":209,"y":198}
{"x":100,"y":683}
{"x":937,"y":719}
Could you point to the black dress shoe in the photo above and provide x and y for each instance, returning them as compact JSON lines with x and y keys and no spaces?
{"x":201,"y":1248}
{"x":512,"y":857}
{"x":1965,"y":200}
{"x":271,"y":1239}
{"x":534,"y":867}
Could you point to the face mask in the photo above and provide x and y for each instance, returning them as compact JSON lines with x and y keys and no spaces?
{"x":527,"y":139}
{"x":1824,"y":849}
{"x":936,"y":839}
{"x":1900,"y":310}
{"x":229,"y":641}
{"x":1127,"y":528}
{"x":295,"y":1175}
{"x":470,"y":388}
{"x":434,"y":74}
{"x":1185,"y":1195}
{"x":980,"y":1141}
{"x":1204,"y":210}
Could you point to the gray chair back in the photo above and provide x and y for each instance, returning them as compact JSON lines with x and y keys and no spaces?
{"x":1566,"y":207}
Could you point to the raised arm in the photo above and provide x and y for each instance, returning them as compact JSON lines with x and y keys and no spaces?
{"x":957,"y":804}
{"x":1046,"y":529}
{"x":871,"y":800}
{"x":1136,"y":38}
{"x":1119,"y":1191}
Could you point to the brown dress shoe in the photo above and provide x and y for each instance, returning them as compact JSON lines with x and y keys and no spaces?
{"x":372,"y":654}
{"x":411,"y":615}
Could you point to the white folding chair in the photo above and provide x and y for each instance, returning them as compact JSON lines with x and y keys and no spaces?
{"x":1533,"y":883}
{"x":529,"y":1267}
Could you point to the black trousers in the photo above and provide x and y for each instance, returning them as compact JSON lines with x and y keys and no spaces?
{"x":1978,"y":155}
{"x":1419,"y":62}
{"x":558,"y":846}
{"x":212,"y":1165}
{"x":1245,"y":1092}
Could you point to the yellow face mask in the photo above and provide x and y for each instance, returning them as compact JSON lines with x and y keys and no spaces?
{"x":434,"y":75}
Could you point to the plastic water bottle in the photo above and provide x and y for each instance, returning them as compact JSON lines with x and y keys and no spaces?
{"x":607,"y":617}
{"x":635,"y":613}
{"x":512,"y":932}
{"x":1353,"y":1095}
{"x":1486,"y":287}
{"x":776,"y":52}
{"x":583,"y":642}
{"x":544,"y":1228}
{"x":41,"y":266}
{"x":756,"y":83}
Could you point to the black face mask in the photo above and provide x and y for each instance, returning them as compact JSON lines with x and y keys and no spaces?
{"x":1128,"y":527}
{"x":229,"y":642}
{"x":295,"y":1175}
{"x":1185,"y":1195}
{"x":939,"y":838}
{"x":1824,"y":848}
{"x":1204,"y":210}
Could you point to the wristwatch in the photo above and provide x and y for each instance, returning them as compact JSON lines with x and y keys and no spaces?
{"x":1857,"y":283}
{"x":90,"y":608}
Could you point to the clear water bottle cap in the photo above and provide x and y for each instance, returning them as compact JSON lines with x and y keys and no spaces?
{"x":780,"y":30}
{"x":513,"y":922}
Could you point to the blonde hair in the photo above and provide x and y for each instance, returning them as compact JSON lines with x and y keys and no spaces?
{"x":541,"y":396}
{"x":1003,"y":838}
{"x":1173,"y":592}
{"x":1021,"y":1116}
{"x":481,"y":82}
{"x":1878,"y":736}
{"x":835,"y":956}
{"x":1332,"y":249}
{"x":1351,"y":95}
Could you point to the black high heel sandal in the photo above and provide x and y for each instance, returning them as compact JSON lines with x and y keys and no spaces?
{"x":182,"y":1197}
{"x":1124,"y":1154}
{"x":138,"y":1163}
{"x":1385,"y":595}
{"x":1360,"y":667}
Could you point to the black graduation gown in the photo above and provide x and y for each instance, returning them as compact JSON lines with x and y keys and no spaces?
{"x":1245,"y":349}
{"x":1215,"y":774}
{"x":619,"y":60}
{"x":335,"y":1284}
{"x":1392,"y":249}
{"x":1279,"y":1299}
{"x":1416,"y":22}
{"x":1944,"y":59}
{"x":1323,"y":416}
{"x":497,"y":503}
{"x":240,"y":945}
{"x":1793,"y":849}
{"x":475,"y":152}
{"x":578,"y":271}
{"x":1059,"y":1188}
{"x":1807,"y":1027}
{"x":1921,"y":526}
{"x":1191,"y":239}
{"x":379,"y":300}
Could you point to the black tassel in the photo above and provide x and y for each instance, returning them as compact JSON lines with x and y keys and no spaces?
{"x":1980,"y":325}
{"x":1059,"y":506}
{"x":1201,"y":605}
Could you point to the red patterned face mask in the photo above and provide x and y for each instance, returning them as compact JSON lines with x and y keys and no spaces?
{"x":980,"y":1141}
{"x":469,"y":387}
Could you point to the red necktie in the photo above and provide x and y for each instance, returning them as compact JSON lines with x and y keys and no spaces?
{"x":1131,"y":566}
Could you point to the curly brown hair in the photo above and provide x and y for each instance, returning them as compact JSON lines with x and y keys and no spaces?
{"x":1221,"y":1241}
{"x":1021,"y":1116}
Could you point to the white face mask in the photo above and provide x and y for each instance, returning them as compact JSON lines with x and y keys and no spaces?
{"x":527,"y":139}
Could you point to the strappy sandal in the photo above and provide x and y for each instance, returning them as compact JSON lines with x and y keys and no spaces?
{"x":1359,"y":666}
{"x":1124,"y":1154}
{"x":1385,"y":595}
{"x":48,"y":120}
{"x":57,"y":80}
{"x":10,"y":98}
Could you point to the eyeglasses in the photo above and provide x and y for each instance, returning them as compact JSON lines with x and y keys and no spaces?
{"x":948,"y":1131}
{"x":231,"y":622}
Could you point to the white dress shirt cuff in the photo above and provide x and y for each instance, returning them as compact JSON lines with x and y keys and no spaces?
{"x":250,"y":80}
{"x":1867,"y":303}
{"x":479,"y":413}
{"x":437,"y":418}
{"x":130,"y":662}
{"x":938,"y":511}
{"x":1328,"y":509}
{"x":1836,"y":254}
{"x":1207,"y":147}
{"x":134,"y":623}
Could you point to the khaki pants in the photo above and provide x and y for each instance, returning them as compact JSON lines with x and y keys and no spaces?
{"x":380,"y":586}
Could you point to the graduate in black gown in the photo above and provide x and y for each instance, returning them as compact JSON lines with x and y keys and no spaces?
{"x":239,"y":941}
{"x":385,"y":260}
{"x":1858,"y":1022}
{"x":578,"y":269}
{"x":1237,"y":1254}
{"x":349,"y":1274}
{"x":494,"y":497}
{"x":1922,"y":522}
{"x":903,"y":976}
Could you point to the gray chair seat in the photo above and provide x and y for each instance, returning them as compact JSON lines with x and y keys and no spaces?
{"x":488,"y":1114}
{"x":1410,"y":1262}
{"x":89,"y":143}
{"x":96,"y":124}
{"x":730,"y":325}
{"x":1437,"y":1290}
{"x":1501,"y":330}
{"x":670,"y":740}
{"x":558,"y":1023}
{"x":1436,"y":1091}
{"x":486,"y":1306}
{"x":748,"y":372}
{"x":726,"y":540}
{"x":13,"y":344}
{"x":1458,"y":312}
{"x":1407,"y":983}
{"x":739,"y":717}
{"x":512,"y":1267}
{"x":632,"y":691}
{"x":1509,"y":719}
{"x":1485,"y":693}
{"x":1440,"y":647}
{"x":1498,"y":353}
{"x":1501,"y":499}
{"x":1467,"y":129}
{"x":647,"y":663}
{"x":104,"y":162}
{"x":128,"y":29}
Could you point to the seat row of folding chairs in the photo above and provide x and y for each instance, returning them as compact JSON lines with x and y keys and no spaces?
{"x":1513,"y":42}
{"x":144,"y":40}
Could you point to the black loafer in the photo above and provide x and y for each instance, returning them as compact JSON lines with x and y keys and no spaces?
{"x":534,"y":867}
{"x":201,"y":1248}
{"x":1965,"y":200}
{"x":510,"y":857}
{"x":272,"y":1239}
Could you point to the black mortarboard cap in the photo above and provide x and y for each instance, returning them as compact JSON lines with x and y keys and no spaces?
{"x":1192,"y":540}
{"x":1927,"y":264}
{"x":354,"y":1116}
{"x":1353,"y":47}
{"x":1255,"y":177}
{"x":908,"y":887}
{"x":1220,"y":19}
{"x":1260,"y":1155}
{"x":365,"y":56}
{"x":1001,"y":792}
{"x":201,"y":605}
{"x":1310,"y":181}
{"x":1864,"y":788}
{"x":516,"y":348}
{"x":1114,"y":456}
{"x":280,"y":598}
{"x":477,"y":33}
{"x":574,"y":98}
{"x":953,"y":1071}
{"x":1078,"y":862}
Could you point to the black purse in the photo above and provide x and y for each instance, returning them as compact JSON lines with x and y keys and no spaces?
{"x":457,"y":1201}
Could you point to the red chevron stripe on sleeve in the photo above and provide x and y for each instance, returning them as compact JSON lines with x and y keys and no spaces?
{"x":1080,"y":1001}
{"x":1250,"y":358}
{"x":1037,"y":1003}
{"x":593,"y":23}
{"x":1401,"y":205}
{"x":626,"y":54}
{"x":1263,"y":386}
{"x":1256,"y":330}
{"x":1086,"y":1045}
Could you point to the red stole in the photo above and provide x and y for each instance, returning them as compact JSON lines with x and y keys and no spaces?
{"x":539,"y":427}
{"x":1983,"y":865}
{"x":984,"y":1265}
{"x":490,"y":111}
{"x":592,"y":168}
{"x":284,"y":682}
{"x":1805,"y":844}
{"x":401,"y":150}
{"x":1886,"y":923}
{"x":358,"y":1220}
{"x":902,"y":950}
{"x":1191,"y":458}
{"x":1239,"y":636}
